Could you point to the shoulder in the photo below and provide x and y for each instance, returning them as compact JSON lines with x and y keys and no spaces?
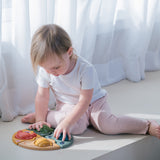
{"x":89,"y":78}
{"x":86,"y":69}
{"x":85,"y":66}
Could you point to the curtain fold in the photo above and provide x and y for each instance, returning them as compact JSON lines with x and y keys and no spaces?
{"x":120,"y":37}
{"x":1,"y":80}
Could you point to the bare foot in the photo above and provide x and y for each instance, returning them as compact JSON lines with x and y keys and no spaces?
{"x":29,"y":118}
{"x":154,"y":129}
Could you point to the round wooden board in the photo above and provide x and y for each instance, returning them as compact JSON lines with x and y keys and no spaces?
{"x":29,"y":144}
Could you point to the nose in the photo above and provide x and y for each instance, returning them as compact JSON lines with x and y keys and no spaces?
{"x":48,"y":71}
{"x":51,"y":72}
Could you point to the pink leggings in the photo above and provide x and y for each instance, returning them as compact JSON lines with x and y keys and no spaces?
{"x":99,"y":115}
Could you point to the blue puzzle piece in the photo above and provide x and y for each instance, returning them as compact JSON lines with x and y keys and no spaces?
{"x":61,"y":136}
{"x":62,"y":144}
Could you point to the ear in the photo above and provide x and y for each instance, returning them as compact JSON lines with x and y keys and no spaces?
{"x":70,"y":51}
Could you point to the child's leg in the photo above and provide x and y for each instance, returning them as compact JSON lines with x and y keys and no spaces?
{"x":107,"y":123}
{"x":54,"y":117}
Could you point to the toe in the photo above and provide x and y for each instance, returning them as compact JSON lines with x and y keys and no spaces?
{"x":23,"y":120}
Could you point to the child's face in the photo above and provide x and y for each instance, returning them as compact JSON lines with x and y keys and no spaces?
{"x":56,"y":65}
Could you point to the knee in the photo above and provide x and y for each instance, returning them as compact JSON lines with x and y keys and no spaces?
{"x":102,"y":125}
{"x":105,"y":124}
{"x":54,"y":118}
{"x":79,"y":127}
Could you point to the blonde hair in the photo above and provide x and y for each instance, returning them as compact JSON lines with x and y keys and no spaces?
{"x":48,"y":40}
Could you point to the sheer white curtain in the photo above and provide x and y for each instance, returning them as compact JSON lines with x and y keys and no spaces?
{"x":120,"y":37}
{"x":17,"y":87}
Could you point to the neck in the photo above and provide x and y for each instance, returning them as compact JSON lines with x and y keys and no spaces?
{"x":73,"y":61}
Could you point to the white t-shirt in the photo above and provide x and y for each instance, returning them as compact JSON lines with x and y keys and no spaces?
{"x":67,"y":87}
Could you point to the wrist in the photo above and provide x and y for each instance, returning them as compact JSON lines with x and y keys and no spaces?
{"x":39,"y":120}
{"x":67,"y":122}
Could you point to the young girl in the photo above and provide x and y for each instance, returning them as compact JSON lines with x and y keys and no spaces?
{"x":80,"y":100}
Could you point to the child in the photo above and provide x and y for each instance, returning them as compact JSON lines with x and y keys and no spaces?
{"x":80,"y":100}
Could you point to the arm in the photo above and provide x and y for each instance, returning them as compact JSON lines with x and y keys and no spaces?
{"x":41,"y":103}
{"x":74,"y":116}
{"x":41,"y":108}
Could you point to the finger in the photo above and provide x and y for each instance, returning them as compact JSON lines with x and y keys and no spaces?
{"x":58,"y":134}
{"x":30,"y":126}
{"x":64,"y":135}
{"x":34,"y":126}
{"x":69,"y":136}
{"x":41,"y":125}
{"x":49,"y":125}
{"x":55,"y":132}
{"x":37,"y":127}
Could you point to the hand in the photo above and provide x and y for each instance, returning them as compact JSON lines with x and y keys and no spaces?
{"x":63,"y":127}
{"x":38,"y":125}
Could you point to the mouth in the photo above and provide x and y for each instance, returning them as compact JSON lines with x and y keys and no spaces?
{"x":56,"y":75}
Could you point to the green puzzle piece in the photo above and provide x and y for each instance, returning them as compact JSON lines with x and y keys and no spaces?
{"x":44,"y":131}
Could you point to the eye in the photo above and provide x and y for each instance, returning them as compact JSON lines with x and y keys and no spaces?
{"x":56,"y":67}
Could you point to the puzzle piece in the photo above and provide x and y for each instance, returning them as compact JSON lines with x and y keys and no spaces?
{"x":62,"y":144}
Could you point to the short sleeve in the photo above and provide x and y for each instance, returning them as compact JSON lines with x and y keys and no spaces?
{"x":43,"y":78}
{"x":89,"y":78}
